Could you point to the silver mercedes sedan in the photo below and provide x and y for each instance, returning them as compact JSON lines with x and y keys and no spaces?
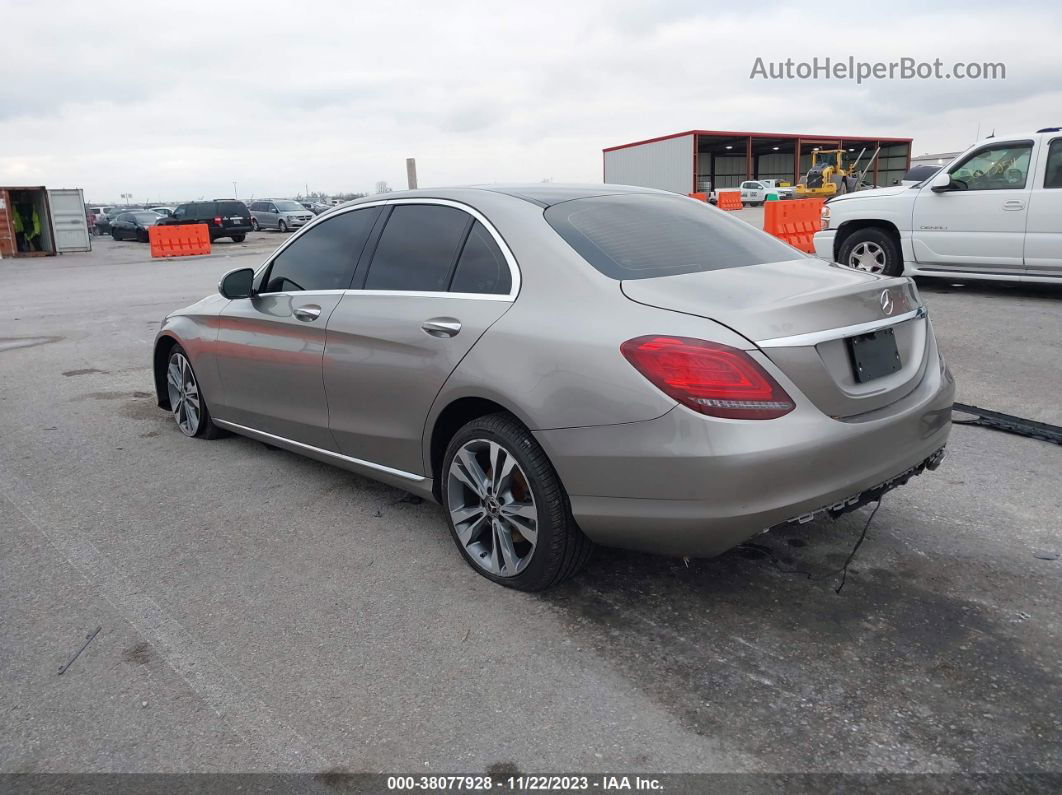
{"x":560,"y":366}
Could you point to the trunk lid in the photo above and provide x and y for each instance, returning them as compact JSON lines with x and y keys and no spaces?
{"x":799,"y":313}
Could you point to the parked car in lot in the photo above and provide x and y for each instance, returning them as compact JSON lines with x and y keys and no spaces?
{"x":134,"y":225}
{"x":919,"y":172}
{"x":282,"y":214}
{"x":995,"y":212}
{"x":561,"y":365}
{"x":225,"y":217}
{"x":166,"y":211}
{"x":754,"y":191}
{"x":103,"y":222}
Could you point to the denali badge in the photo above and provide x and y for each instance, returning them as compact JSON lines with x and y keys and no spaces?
{"x":886,"y":302}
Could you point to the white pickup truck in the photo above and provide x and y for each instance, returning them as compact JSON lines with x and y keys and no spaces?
{"x":754,"y":191}
{"x":995,"y":212}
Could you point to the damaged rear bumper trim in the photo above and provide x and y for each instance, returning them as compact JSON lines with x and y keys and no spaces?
{"x":867,"y":495}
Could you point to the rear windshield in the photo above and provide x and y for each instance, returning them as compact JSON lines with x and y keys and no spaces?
{"x":232,"y":208}
{"x":642,"y":236}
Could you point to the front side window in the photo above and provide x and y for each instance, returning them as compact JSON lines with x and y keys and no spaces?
{"x":482,"y":267}
{"x":417,"y":248}
{"x":181,"y":211}
{"x":642,"y":236}
{"x":322,"y":258}
{"x":1053,"y":175}
{"x":998,"y":167}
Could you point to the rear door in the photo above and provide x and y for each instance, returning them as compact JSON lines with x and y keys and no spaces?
{"x":981,"y":227}
{"x":439,"y":276}
{"x":270,"y":345}
{"x":69,"y":223}
{"x":1043,"y":239}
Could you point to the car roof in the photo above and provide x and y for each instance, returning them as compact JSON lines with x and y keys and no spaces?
{"x":542,"y":194}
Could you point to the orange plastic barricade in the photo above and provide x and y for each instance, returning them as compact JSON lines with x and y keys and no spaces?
{"x":179,"y":240}
{"x":701,"y":197}
{"x":728,"y":200}
{"x":795,"y":221}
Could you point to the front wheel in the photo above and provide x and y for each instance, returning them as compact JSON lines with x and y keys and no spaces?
{"x":282,"y":226}
{"x":254,"y":224}
{"x":872,"y":250}
{"x":186,"y":399}
{"x":507,"y":510}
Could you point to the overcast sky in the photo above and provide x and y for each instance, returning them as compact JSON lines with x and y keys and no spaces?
{"x":168,"y":103}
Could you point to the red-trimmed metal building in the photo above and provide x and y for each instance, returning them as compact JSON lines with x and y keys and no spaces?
{"x":705,"y":160}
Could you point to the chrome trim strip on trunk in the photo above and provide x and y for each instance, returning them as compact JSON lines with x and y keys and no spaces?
{"x":815,"y":337}
{"x":356,"y":461}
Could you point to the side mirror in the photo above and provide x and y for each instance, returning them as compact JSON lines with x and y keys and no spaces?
{"x":943,"y":182}
{"x":237,"y":284}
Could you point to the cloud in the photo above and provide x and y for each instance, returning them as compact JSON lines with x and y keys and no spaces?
{"x":335,"y":95}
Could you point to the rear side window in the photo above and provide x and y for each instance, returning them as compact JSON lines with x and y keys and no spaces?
{"x":482,"y":267}
{"x":642,"y":236}
{"x":417,"y":248}
{"x":323,"y":258}
{"x":1053,"y":175}
{"x":229,"y":209}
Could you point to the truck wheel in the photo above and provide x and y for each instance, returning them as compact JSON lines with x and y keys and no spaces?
{"x":872,"y":250}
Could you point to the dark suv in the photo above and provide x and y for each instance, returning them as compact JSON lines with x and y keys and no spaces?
{"x":225,"y":217}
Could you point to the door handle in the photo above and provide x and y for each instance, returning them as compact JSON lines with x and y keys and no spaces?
{"x":1014,"y":204}
{"x":441,"y":326}
{"x":308,"y":313}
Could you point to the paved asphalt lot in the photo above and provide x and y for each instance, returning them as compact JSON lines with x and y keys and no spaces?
{"x":261,"y":611}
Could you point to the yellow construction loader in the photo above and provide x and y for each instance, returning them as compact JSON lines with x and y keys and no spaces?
{"x":829,"y":176}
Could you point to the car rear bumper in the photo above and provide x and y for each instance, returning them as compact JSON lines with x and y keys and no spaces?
{"x":228,"y":231}
{"x":688,"y":485}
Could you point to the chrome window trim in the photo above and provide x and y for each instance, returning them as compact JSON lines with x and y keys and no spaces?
{"x":349,"y":459}
{"x":510,"y":260}
{"x":816,"y":337}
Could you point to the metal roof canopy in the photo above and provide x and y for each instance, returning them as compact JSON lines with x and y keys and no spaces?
{"x":751,"y":146}
{"x":742,"y":136}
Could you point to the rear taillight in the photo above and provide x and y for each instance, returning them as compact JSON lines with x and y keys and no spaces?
{"x":217,"y":220}
{"x":708,"y":377}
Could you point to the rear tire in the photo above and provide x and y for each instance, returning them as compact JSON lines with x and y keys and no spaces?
{"x":238,"y":238}
{"x":872,"y":250}
{"x":527,"y":496}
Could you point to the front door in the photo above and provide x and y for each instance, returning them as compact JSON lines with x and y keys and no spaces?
{"x":981,"y":224}
{"x":270,"y":345}
{"x":437,"y":280}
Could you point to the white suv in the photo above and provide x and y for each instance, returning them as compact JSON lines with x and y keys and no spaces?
{"x":995,"y":212}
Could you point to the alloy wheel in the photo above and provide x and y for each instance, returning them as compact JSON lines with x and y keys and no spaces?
{"x":492,"y":508}
{"x":867,"y":256}
{"x":183,"y":391}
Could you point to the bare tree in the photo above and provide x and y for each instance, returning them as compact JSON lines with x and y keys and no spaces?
{"x":383,"y":187}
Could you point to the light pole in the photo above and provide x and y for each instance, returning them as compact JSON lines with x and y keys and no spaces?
{"x":235,"y":195}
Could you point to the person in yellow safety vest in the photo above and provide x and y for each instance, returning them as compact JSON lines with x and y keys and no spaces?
{"x":32,"y":235}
